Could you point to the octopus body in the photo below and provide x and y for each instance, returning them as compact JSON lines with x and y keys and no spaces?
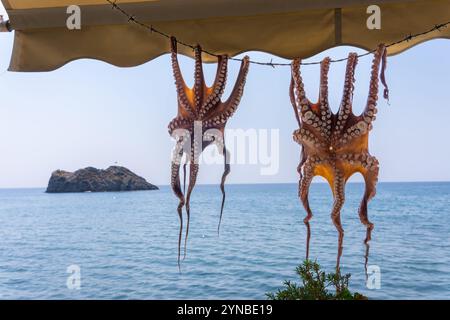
{"x":335,"y":146}
{"x":200,"y":122}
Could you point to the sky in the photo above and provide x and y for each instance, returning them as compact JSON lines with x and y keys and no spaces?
{"x":90,"y":113}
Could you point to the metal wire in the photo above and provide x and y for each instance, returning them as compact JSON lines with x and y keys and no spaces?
{"x":132,"y":19}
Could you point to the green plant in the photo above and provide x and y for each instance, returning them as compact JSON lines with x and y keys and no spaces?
{"x":315,"y":286}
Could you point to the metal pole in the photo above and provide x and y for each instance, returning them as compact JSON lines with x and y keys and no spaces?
{"x":5,"y":26}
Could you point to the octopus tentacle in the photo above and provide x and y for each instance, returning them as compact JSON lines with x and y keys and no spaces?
{"x":349,"y":85}
{"x":339,"y":199}
{"x":383,"y":75}
{"x":323,"y":91}
{"x":304,"y":184}
{"x":226,"y":109}
{"x":319,"y":119}
{"x":371,"y":107}
{"x":238,"y":90}
{"x":307,"y":116}
{"x":307,"y":138}
{"x":179,"y":81}
{"x":226,"y":172}
{"x":193,"y":173}
{"x":184,"y":177}
{"x":199,"y":80}
{"x":179,"y":123}
{"x":325,"y":117}
{"x":360,"y":128}
{"x":293,"y":101}
{"x":176,"y":187}
{"x":370,"y":178}
{"x":345,"y":109}
{"x":303,"y":159}
{"x":302,"y":100}
{"x":218,"y":87}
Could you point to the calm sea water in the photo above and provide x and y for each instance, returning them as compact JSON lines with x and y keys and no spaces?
{"x":126,"y":243}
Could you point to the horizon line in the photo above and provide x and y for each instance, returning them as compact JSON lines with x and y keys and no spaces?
{"x":260,"y":183}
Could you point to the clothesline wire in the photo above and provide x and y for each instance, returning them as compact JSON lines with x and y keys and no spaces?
{"x":132,"y":19}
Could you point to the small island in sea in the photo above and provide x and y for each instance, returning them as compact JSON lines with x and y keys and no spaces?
{"x":90,"y":179}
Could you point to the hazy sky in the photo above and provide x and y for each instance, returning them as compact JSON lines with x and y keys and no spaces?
{"x":89,"y":113}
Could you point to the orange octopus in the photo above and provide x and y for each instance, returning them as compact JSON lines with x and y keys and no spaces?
{"x":335,"y":146}
{"x":200,"y":122}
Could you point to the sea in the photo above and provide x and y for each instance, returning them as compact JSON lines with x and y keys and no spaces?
{"x":124,"y":245}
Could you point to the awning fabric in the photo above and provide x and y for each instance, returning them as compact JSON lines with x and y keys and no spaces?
{"x":286,"y":28}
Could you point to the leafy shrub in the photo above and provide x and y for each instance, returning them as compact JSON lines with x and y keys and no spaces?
{"x":315,"y":286}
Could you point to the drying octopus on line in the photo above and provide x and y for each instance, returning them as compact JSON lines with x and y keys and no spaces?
{"x":200,"y":122}
{"x":335,"y":146}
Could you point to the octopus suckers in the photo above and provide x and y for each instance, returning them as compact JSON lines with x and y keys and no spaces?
{"x":336,"y":145}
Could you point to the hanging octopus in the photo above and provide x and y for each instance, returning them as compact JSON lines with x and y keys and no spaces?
{"x":200,"y":122}
{"x":335,"y":146}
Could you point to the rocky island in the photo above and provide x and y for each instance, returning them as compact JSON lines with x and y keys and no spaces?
{"x":90,"y":179}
